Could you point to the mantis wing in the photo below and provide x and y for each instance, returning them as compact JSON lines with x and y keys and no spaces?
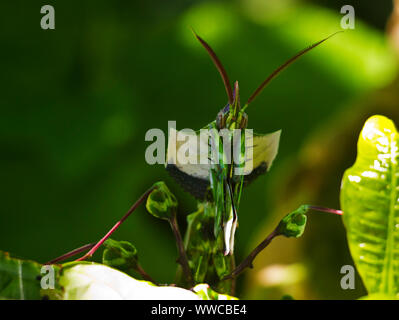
{"x":183,"y":161}
{"x":264,"y":151}
{"x":195,"y":178}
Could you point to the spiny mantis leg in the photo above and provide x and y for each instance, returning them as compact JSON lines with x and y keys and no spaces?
{"x":116,"y":226}
{"x":71,"y":253}
{"x":247,"y":263}
{"x":231,"y":224}
{"x":234,"y":196}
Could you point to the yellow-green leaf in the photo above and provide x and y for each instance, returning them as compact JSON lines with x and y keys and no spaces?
{"x":370,"y":201}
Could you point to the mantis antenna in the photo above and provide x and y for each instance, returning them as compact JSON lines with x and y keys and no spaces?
{"x":219,"y":66}
{"x":285,"y":65}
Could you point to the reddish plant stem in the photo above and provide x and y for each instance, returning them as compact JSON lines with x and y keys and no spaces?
{"x":182,"y":260}
{"x":116,"y":226}
{"x":247,"y":263}
{"x":144,"y":274}
{"x":328,"y":210}
{"x":71,"y":253}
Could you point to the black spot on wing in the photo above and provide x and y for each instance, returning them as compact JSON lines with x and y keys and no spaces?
{"x":256,"y":172}
{"x":197,"y":187}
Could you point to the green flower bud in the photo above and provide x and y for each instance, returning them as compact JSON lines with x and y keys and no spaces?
{"x":161,"y":203}
{"x":293,"y":224}
{"x":121,"y":255}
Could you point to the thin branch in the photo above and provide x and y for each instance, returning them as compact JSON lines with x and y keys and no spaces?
{"x":247,"y":263}
{"x":71,"y":253}
{"x":183,"y":260}
{"x":144,"y":274}
{"x":116,"y":226}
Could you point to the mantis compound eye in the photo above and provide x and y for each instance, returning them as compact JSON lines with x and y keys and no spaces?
{"x":244,"y":121}
{"x":220,"y":120}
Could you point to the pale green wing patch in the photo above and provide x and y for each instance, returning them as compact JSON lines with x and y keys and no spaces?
{"x":264,"y":150}
{"x":192,"y":147}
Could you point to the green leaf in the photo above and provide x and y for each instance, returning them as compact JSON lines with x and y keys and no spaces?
{"x":21,"y":279}
{"x":378,"y":296}
{"x":161,"y":203}
{"x":121,"y":255}
{"x":294,"y":223}
{"x":92,"y":281}
{"x":370,"y":201}
{"x":206,"y":293}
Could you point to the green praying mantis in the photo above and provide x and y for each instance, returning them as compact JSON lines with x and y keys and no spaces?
{"x":206,"y":253}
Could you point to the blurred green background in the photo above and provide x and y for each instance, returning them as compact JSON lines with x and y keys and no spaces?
{"x":77,"y":101}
